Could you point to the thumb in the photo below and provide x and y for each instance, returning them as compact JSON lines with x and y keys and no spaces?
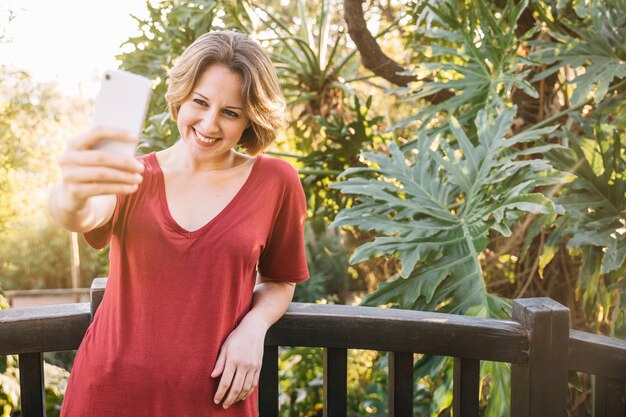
{"x":219,"y":365}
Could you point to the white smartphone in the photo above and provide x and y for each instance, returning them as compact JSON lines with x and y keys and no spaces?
{"x":121,"y":104}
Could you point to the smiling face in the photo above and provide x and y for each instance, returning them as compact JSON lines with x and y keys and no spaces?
{"x":211,"y":119}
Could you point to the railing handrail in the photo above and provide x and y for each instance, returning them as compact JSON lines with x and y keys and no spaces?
{"x":43,"y":328}
{"x":61,"y":327}
{"x":42,"y":292}
{"x":597,"y":355}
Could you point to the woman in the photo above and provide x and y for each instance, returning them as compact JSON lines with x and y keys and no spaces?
{"x":180,"y":330}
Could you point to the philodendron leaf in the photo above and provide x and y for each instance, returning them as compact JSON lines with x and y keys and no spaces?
{"x":433,"y":209}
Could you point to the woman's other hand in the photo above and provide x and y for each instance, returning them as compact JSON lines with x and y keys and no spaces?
{"x":239,"y":362}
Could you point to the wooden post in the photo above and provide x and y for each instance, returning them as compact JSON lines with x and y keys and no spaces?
{"x":400,"y":385}
{"x":466,"y":387}
{"x":335,"y":382}
{"x":96,"y":293}
{"x":268,"y":383}
{"x":75,"y":263}
{"x":540,"y":387}
{"x":32,"y":385}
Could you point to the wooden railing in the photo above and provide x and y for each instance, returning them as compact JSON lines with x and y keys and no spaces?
{"x":537,"y":342}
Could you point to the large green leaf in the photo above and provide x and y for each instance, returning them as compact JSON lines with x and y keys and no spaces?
{"x":433,"y":209}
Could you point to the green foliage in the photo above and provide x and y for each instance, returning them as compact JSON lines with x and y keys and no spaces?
{"x":328,"y":264}
{"x":470,"y":51}
{"x":595,"y":203}
{"x":591,"y":39}
{"x":311,"y":61}
{"x":594,"y":40}
{"x":301,"y":383}
{"x":55,"y":382}
{"x":28,"y":112}
{"x":338,"y":144}
{"x":9,"y":385}
{"x":434,"y":212}
{"x":38,"y":256}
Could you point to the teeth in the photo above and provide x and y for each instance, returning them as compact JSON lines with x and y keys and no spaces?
{"x":204,"y":138}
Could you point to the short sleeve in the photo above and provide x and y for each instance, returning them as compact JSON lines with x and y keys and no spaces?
{"x":100,"y":237}
{"x":284,"y":257}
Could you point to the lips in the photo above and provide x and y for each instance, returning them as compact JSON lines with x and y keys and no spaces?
{"x":205,"y":139}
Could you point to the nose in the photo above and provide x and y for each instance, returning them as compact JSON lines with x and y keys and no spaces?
{"x":209,"y":123}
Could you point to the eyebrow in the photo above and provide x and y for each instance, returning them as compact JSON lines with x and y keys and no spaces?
{"x":227,"y":107}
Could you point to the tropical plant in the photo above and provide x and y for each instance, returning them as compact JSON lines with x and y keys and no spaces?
{"x":434,"y":209}
{"x":486,"y":57}
{"x":313,"y":62}
{"x":595,"y":207}
{"x":340,"y":139}
{"x":469,"y":50}
{"x":592,"y":44}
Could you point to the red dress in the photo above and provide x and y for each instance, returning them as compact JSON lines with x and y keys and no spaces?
{"x":173,"y":296}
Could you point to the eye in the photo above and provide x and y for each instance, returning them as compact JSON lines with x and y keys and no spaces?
{"x":230,"y":113}
{"x":200,"y":102}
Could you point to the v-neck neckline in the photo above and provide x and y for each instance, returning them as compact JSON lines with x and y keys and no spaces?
{"x":208,"y":225}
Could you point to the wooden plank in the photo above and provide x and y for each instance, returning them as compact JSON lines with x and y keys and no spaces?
{"x":43,"y":329}
{"x":268,"y":383}
{"x":401,"y":330}
{"x":32,"y":385}
{"x":597,"y":355}
{"x":466,"y":387}
{"x":609,"y":397}
{"x":540,"y":387}
{"x":400,"y":385}
{"x":335,"y":382}
{"x":615,"y":397}
{"x":96,"y":292}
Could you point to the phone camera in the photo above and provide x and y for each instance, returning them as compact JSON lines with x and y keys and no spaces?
{"x":107,"y":77}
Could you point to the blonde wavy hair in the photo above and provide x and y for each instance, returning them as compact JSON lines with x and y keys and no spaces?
{"x":263,"y":101}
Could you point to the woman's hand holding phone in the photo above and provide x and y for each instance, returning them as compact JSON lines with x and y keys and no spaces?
{"x":100,"y":163}
{"x":88,"y":171}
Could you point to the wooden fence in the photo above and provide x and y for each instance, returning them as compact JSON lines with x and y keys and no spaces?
{"x":538,"y":343}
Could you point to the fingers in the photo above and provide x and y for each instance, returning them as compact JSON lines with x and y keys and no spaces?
{"x":86,"y":158}
{"x":219,"y":365}
{"x":88,"y":172}
{"x":249,"y":385}
{"x":237,"y":383}
{"x":235,"y":389}
{"x":78,"y":174}
{"x":92,"y":137}
{"x":241,"y":386}
{"x":225,"y":384}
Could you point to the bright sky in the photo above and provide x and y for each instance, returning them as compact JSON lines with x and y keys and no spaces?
{"x":68,"y":41}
